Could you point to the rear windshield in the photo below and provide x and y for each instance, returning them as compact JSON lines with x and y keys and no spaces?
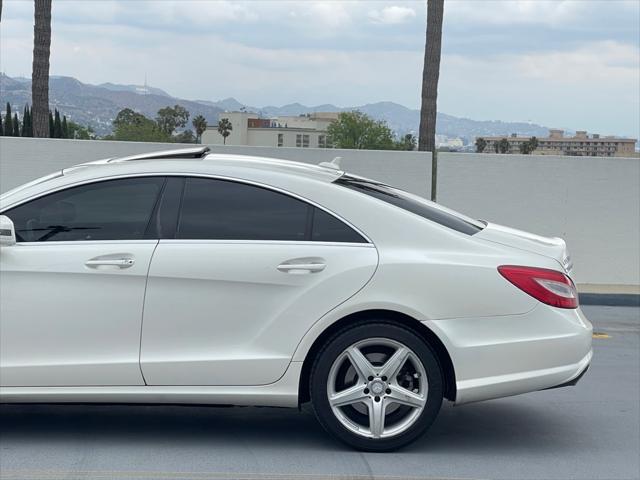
{"x":414,"y":204}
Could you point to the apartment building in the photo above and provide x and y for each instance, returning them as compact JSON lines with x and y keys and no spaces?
{"x":581,"y":144}
{"x":306,"y":131}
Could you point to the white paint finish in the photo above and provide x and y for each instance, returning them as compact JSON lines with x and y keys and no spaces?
{"x":283,"y":393}
{"x":508,"y":352}
{"x":221,"y":313}
{"x":7,"y":232}
{"x":508,"y":385}
{"x":446,"y":279}
{"x":67,"y":324}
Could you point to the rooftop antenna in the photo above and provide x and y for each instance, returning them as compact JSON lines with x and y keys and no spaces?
{"x":333,"y":164}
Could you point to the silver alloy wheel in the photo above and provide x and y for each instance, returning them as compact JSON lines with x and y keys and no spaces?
{"x":377,"y":388}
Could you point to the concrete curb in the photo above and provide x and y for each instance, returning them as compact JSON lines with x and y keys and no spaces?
{"x":610,"y":299}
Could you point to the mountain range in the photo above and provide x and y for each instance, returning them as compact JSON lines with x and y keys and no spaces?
{"x":98,"y":105}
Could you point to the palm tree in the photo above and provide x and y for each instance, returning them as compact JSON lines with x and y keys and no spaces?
{"x":200,"y":125}
{"x":40,"y":73}
{"x":504,"y":146}
{"x":430,"y":75}
{"x":224,"y":129}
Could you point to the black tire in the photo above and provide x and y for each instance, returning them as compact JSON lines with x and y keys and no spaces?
{"x":343,"y":340}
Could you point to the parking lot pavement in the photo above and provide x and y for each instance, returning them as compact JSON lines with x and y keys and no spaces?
{"x":591,"y":431}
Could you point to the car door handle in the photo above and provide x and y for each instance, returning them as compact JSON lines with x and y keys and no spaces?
{"x":123,"y":262}
{"x":300,"y":268}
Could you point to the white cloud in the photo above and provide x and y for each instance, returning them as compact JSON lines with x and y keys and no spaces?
{"x":392,"y":15}
{"x":592,"y":87}
{"x":552,"y":13}
{"x":608,"y":62}
{"x":331,"y":15}
{"x":560,"y":63}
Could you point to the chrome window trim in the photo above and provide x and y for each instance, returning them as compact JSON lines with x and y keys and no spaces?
{"x":201,"y":241}
{"x":146,"y":241}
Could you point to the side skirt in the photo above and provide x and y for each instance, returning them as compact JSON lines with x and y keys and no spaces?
{"x":283,"y":393}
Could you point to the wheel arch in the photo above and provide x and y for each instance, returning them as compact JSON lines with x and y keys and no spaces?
{"x":444,"y":359}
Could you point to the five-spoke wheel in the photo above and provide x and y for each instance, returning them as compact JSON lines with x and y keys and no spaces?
{"x":376,"y":386}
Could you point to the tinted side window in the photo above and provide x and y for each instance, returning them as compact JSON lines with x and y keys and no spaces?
{"x":110,"y":210}
{"x":414,"y":204}
{"x":225,"y":210}
{"x":327,"y":228}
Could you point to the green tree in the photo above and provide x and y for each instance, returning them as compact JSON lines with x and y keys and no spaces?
{"x":407,"y":142}
{"x":134,"y":127}
{"x":200,"y":125}
{"x":503,"y":146}
{"x":23,"y":130}
{"x":8,"y":123}
{"x":529,"y":146}
{"x":30,"y":130}
{"x":57,"y":125}
{"x":186,"y":136}
{"x":51,"y":125}
{"x":1,"y":126}
{"x":357,"y":130}
{"x":481,"y":144}
{"x":65,"y":127}
{"x":224,"y":128}
{"x":171,"y":118}
{"x":40,"y":71}
{"x":80,"y":132}
{"x":16,"y":125}
{"x":27,"y":128}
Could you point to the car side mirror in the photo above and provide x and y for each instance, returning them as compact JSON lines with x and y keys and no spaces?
{"x":7,"y":232}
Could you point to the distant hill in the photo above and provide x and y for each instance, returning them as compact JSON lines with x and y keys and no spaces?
{"x":97,"y":106}
{"x":141,"y":89}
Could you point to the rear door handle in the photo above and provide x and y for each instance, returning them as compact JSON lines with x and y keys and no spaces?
{"x":120,"y":262}
{"x":301,"y":268}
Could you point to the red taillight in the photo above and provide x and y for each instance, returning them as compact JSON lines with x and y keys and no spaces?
{"x":549,"y":286}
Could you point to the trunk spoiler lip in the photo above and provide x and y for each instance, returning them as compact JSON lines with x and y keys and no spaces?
{"x":563,"y":259}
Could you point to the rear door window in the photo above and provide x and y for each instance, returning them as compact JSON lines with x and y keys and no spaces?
{"x":227,"y":210}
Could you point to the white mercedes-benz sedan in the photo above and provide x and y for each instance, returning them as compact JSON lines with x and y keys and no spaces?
{"x":192,"y":278}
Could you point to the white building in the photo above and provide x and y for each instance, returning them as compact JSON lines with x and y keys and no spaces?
{"x":288,"y":131}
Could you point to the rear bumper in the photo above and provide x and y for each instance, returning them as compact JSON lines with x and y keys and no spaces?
{"x":573,"y":382}
{"x":497,"y":357}
{"x":523,"y":382}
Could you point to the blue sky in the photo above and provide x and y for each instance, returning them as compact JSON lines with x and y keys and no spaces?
{"x":572,"y":64}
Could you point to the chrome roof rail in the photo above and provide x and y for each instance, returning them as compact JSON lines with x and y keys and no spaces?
{"x":184,"y":153}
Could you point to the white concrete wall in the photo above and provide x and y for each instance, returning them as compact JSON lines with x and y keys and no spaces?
{"x":23,"y":159}
{"x":591,"y":202}
{"x":594,"y":203}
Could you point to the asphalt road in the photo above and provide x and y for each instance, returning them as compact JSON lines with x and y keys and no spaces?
{"x":591,"y":431}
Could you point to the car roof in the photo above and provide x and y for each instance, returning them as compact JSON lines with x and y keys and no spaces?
{"x":199,"y":160}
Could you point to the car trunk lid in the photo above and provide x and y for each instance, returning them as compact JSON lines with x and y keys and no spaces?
{"x":553,"y":247}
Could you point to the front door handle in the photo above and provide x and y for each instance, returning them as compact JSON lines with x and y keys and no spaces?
{"x":108,"y":261}
{"x":301,"y":268}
